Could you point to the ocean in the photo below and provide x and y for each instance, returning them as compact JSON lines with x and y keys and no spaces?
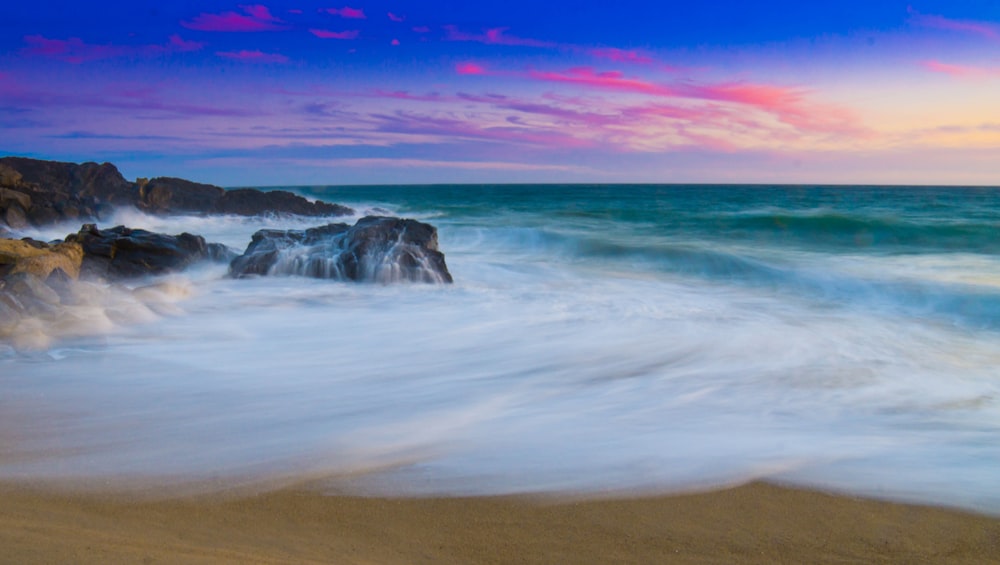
{"x":598,"y":339}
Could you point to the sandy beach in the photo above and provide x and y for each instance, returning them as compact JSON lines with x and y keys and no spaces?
{"x":755,"y":523}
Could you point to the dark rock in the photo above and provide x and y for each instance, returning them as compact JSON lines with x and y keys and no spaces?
{"x":101,"y":181}
{"x":121,"y":252}
{"x":219,"y":253}
{"x":165,"y":195}
{"x":252,"y":202}
{"x":44,"y":192}
{"x":376,"y":248}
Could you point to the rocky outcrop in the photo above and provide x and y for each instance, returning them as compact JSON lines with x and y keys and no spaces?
{"x":252,"y":202}
{"x":165,"y":195}
{"x":35,"y":192}
{"x":38,"y":258}
{"x":121,"y":252}
{"x":376,"y":248}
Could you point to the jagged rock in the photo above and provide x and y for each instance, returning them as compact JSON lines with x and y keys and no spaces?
{"x":376,"y":248}
{"x":39,"y":258}
{"x":121,"y":252}
{"x":67,"y":191}
{"x":101,"y":181}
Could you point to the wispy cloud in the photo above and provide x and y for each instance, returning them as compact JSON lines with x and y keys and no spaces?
{"x":446,"y":127}
{"x":254,"y":18}
{"x":989,"y":30}
{"x":500,"y":36}
{"x":442,"y":164}
{"x":253,"y":56}
{"x":609,"y":80}
{"x":495,"y":36}
{"x":326,"y":34}
{"x":347,"y":12}
{"x":789,"y":105}
{"x":621,"y":55}
{"x":962,"y":71}
{"x":76,"y":51}
{"x":396,"y":17}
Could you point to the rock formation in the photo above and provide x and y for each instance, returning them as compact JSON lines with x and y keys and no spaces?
{"x":38,"y":258}
{"x":35,"y":192}
{"x":121,"y":252}
{"x":376,"y":248}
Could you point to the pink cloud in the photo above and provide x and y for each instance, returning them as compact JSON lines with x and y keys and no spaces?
{"x":421,"y":29}
{"x":76,"y":51}
{"x":621,"y":55}
{"x":394,"y":42}
{"x":417,"y":124}
{"x":325,"y":34}
{"x":961,"y":71}
{"x":256,"y":18}
{"x":470,"y":69}
{"x":788,"y":105}
{"x":989,"y":30}
{"x":347,"y":12}
{"x":396,"y":18}
{"x":495,"y":36}
{"x":611,"y":80}
{"x":253,"y":56}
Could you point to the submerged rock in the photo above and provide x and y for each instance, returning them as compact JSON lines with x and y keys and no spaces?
{"x":122,"y":252}
{"x":377,"y":248}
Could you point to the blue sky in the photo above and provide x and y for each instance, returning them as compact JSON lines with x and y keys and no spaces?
{"x":314,"y":92}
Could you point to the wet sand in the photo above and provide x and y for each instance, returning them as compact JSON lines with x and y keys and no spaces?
{"x":755,"y":523}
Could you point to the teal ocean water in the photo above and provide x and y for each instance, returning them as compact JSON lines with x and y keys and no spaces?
{"x":600,"y":338}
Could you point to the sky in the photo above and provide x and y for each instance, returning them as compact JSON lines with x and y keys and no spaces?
{"x":316,"y":92}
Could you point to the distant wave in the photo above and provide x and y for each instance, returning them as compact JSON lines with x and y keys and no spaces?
{"x":837,"y":228}
{"x":972,"y":305}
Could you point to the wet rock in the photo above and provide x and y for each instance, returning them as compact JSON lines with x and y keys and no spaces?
{"x":9,"y":316}
{"x":39,"y":258}
{"x":122,"y":252}
{"x":31,"y":289}
{"x":377,"y":248}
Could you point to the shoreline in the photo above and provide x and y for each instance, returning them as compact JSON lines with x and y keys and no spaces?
{"x":753,"y":523}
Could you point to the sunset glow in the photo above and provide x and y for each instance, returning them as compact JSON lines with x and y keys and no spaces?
{"x":399,"y":92}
